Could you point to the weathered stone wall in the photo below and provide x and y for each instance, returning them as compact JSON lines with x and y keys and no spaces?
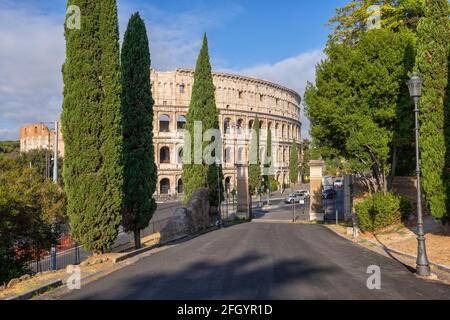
{"x":196,"y":216}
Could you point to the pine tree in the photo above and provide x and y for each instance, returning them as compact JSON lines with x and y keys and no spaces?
{"x":140,"y":172}
{"x":432,"y":65}
{"x":202,"y":108}
{"x":91,"y":125}
{"x":293,"y":163}
{"x":254,"y":170}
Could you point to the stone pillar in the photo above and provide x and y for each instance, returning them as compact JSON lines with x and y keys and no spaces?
{"x":316,"y":211}
{"x":243,"y":195}
{"x":348,"y":197}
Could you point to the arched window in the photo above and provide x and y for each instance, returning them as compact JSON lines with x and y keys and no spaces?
{"x":180,"y":186}
{"x":283,"y":131}
{"x":261,"y":124}
{"x":241,"y":155}
{"x":250,"y":124}
{"x":239,"y":125}
{"x":227,"y":155}
{"x":226,"y":125}
{"x":164,"y":186}
{"x":164,"y":155}
{"x":181,"y":122}
{"x":227,"y":184}
{"x":164,"y":123}
{"x":180,"y":156}
{"x":269,"y":126}
{"x":181,"y":88}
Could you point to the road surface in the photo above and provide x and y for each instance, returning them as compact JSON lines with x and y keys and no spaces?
{"x":262,"y":261}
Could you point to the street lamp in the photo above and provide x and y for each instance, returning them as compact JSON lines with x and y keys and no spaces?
{"x":423,"y":265}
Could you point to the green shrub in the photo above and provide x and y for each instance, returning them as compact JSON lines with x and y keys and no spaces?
{"x":380,"y":211}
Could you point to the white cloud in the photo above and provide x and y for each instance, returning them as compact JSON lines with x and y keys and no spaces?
{"x":33,"y":51}
{"x":31,"y":56}
{"x":293,"y":73}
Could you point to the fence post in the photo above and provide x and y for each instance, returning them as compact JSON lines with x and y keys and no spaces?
{"x":77,"y":253}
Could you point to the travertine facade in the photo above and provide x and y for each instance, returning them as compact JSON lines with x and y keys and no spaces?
{"x":238,"y":98}
{"x":39,"y":136}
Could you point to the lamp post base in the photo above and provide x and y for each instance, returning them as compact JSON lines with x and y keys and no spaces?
{"x":423,"y":271}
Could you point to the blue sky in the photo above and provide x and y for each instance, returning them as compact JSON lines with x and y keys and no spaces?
{"x":279,"y":41}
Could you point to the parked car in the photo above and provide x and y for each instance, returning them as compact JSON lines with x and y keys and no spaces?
{"x":327,"y":182}
{"x":339,"y":182}
{"x":328,"y":194}
{"x":303,"y":192}
{"x":296,"y":197}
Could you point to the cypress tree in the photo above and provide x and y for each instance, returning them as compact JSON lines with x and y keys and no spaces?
{"x":140,"y":172}
{"x":268,"y":177}
{"x":91,"y":125}
{"x":254,"y":170}
{"x":293,"y":163}
{"x":432,"y":65}
{"x":202,"y":108}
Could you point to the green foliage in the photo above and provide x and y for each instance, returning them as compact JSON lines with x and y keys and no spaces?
{"x":359,"y":105}
{"x":350,"y":21}
{"x":306,"y":151}
{"x":140,"y":171}
{"x":293,"y":163}
{"x":268,"y":176}
{"x":432,"y":66}
{"x":29,"y":205}
{"x":202,"y":108}
{"x":380,"y":211}
{"x":9,"y":147}
{"x":254,"y":170}
{"x":41,"y":160}
{"x":91,"y":125}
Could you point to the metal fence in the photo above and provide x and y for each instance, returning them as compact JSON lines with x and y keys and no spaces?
{"x":78,"y":254}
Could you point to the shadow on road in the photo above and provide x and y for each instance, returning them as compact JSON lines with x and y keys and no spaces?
{"x":249,"y":277}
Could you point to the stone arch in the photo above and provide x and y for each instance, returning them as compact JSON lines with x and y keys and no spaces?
{"x":227,"y":125}
{"x":164,"y":186}
{"x":181,"y":122}
{"x":164,"y":123}
{"x":164,"y":155}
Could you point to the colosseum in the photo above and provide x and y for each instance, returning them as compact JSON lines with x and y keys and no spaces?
{"x":239,"y":100}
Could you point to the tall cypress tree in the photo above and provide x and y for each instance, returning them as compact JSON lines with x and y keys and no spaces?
{"x":268,"y":177}
{"x":254,"y":170}
{"x":91,"y":125}
{"x":140,"y":172}
{"x":202,"y":108}
{"x":293,"y":163}
{"x":432,"y":65}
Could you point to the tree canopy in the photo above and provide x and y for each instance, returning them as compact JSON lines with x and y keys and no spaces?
{"x":358,"y":106}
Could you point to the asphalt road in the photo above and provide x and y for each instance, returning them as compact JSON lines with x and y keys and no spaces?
{"x":262,"y":261}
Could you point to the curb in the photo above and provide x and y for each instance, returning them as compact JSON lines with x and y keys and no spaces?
{"x":138,"y":252}
{"x":391,"y":250}
{"x":43,"y":289}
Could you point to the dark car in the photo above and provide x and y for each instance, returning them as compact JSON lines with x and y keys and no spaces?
{"x":328,"y":194}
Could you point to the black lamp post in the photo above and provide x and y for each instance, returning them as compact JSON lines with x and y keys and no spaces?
{"x":423,"y":265}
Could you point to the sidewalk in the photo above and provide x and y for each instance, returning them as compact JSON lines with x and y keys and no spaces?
{"x":402,"y":239}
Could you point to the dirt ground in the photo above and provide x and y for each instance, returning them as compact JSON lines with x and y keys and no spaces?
{"x":45,"y":278}
{"x":405,"y":240}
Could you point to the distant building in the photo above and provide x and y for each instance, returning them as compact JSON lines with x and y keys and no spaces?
{"x":238,"y":98}
{"x":39,"y":136}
